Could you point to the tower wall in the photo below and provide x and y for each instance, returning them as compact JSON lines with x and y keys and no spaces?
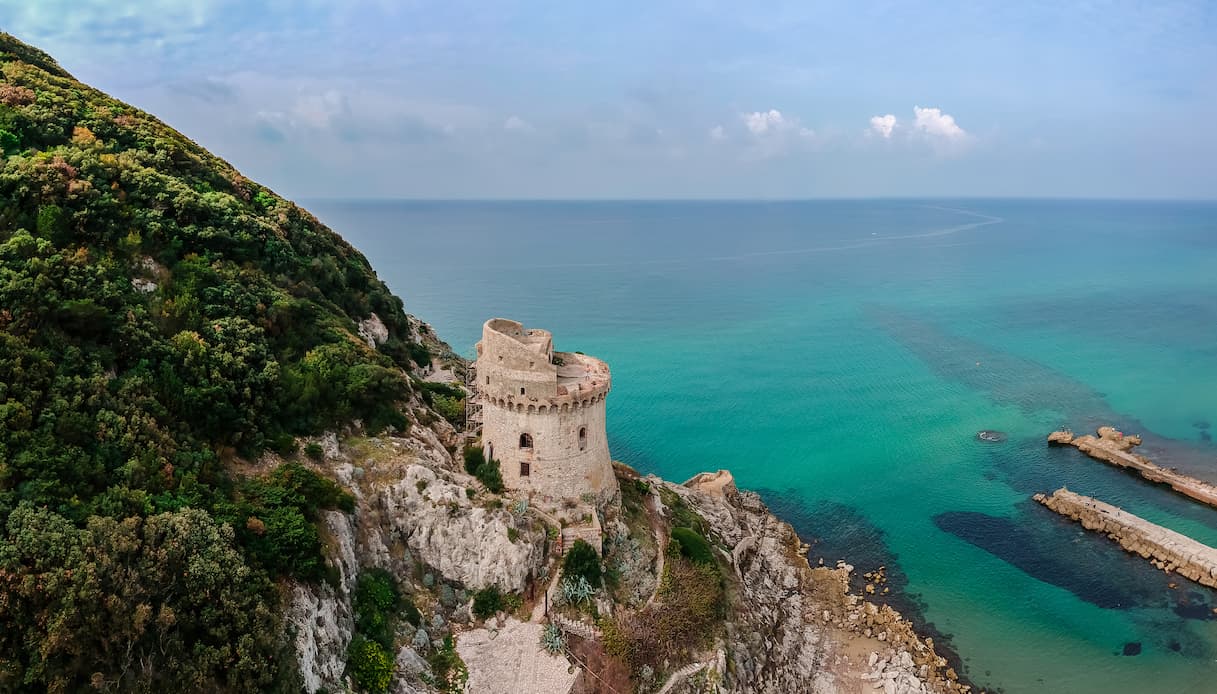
{"x":557,"y":466}
{"x":527,"y":389}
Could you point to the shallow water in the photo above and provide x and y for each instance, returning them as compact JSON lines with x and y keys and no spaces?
{"x":841,"y":356}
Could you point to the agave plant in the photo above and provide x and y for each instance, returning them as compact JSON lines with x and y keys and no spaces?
{"x":552,"y":639}
{"x":520,"y":507}
{"x":576,"y":589}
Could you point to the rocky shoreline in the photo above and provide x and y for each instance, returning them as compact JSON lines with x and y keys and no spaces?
{"x":1167,"y":549}
{"x":798,"y":627}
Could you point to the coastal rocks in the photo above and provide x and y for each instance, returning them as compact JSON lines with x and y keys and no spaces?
{"x":1063,"y":437}
{"x":721,"y":483}
{"x":1112,"y":446}
{"x":1171,"y":551}
{"x":795,"y":626}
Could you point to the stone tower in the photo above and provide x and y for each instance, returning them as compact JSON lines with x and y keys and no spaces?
{"x":543,"y":413}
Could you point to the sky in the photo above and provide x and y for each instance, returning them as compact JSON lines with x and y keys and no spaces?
{"x":652,"y":99}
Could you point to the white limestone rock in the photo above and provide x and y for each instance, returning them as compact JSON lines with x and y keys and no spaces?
{"x":321,"y":616}
{"x":373,"y":331}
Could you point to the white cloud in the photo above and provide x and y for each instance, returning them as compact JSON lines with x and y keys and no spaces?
{"x":518,"y":124}
{"x":761,"y":122}
{"x":934,"y":122}
{"x":717,"y":133}
{"x":775,"y":134}
{"x":883,"y":125}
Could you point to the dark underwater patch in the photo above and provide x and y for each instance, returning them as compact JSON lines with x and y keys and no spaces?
{"x":1061,"y":553}
{"x":1132,"y":648}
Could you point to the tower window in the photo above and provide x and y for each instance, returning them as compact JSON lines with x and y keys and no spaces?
{"x":521,"y":391}
{"x":487,"y":380}
{"x":524,"y":469}
{"x":525,"y":440}
{"x":582,"y":438}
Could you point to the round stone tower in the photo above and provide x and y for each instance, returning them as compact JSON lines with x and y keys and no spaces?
{"x":543,"y":413}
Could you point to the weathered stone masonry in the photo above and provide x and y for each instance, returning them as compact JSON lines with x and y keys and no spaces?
{"x":543,"y":413}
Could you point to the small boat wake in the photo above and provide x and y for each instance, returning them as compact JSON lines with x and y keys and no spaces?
{"x":991,"y":436}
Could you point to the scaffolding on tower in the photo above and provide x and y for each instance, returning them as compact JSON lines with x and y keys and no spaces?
{"x":473,"y":404}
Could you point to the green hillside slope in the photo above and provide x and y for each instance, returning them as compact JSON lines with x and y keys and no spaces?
{"x":160,"y":317}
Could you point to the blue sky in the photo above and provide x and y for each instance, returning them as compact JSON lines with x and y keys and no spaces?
{"x":382,"y":98}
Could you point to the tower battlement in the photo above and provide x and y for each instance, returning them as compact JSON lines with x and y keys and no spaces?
{"x":543,"y":412}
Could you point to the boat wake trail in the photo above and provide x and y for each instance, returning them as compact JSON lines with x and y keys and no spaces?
{"x":870,"y":242}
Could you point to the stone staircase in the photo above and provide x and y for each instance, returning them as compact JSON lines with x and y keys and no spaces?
{"x":588,"y":533}
{"x":577,"y":627}
{"x":680,"y":675}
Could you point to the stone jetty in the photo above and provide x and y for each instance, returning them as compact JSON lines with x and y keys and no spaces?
{"x":1114,"y":447}
{"x":1167,"y":549}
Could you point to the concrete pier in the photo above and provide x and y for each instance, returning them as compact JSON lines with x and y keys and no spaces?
{"x":1167,"y":549}
{"x":1114,"y":447}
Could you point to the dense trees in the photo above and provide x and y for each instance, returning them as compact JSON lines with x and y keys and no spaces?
{"x":161,"y":317}
{"x":162,"y":603}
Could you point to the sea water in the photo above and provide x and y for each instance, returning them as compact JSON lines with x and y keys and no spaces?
{"x":840,"y":357}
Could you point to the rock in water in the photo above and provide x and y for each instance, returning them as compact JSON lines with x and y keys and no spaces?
{"x":991,"y":436}
{"x":1132,"y":648}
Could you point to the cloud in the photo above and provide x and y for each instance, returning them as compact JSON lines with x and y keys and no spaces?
{"x":517,"y":124}
{"x":774,"y":133}
{"x":935,"y":123}
{"x":717,"y":133}
{"x":883,"y":125}
{"x":761,"y":122}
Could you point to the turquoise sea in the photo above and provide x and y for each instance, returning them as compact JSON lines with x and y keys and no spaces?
{"x":840,"y":356}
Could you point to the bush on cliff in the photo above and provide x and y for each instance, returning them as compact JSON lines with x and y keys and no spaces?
{"x":686,"y":618}
{"x":474,"y":458}
{"x":376,"y":602}
{"x":582,"y":560}
{"x":487,"y":601}
{"x":688,"y":543}
{"x":488,"y":473}
{"x":369,"y":665}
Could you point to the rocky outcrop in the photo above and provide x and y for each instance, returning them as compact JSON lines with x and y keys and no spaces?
{"x":798,"y":628}
{"x":373,"y":331}
{"x":1169,"y":550}
{"x":1114,"y":447}
{"x":466,"y":543}
{"x":320,"y":614}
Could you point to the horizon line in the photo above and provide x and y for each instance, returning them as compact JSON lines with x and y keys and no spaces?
{"x":319,"y":198}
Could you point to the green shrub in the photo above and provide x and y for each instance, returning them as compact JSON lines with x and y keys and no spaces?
{"x":474,"y":458}
{"x":487,"y":601}
{"x":369,"y":665}
{"x":314,"y":450}
{"x":488,"y":473}
{"x":582,"y":560}
{"x":275,"y":517}
{"x":375,"y":602}
{"x":448,"y":668}
{"x":691,"y":545}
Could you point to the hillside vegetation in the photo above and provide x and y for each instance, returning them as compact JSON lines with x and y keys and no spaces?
{"x":162,"y":318}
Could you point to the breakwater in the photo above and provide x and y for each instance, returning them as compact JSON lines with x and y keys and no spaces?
{"x":1112,"y":446}
{"x":1169,"y":550}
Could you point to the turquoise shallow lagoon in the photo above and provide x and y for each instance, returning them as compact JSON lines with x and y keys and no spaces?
{"x":840,"y":357}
